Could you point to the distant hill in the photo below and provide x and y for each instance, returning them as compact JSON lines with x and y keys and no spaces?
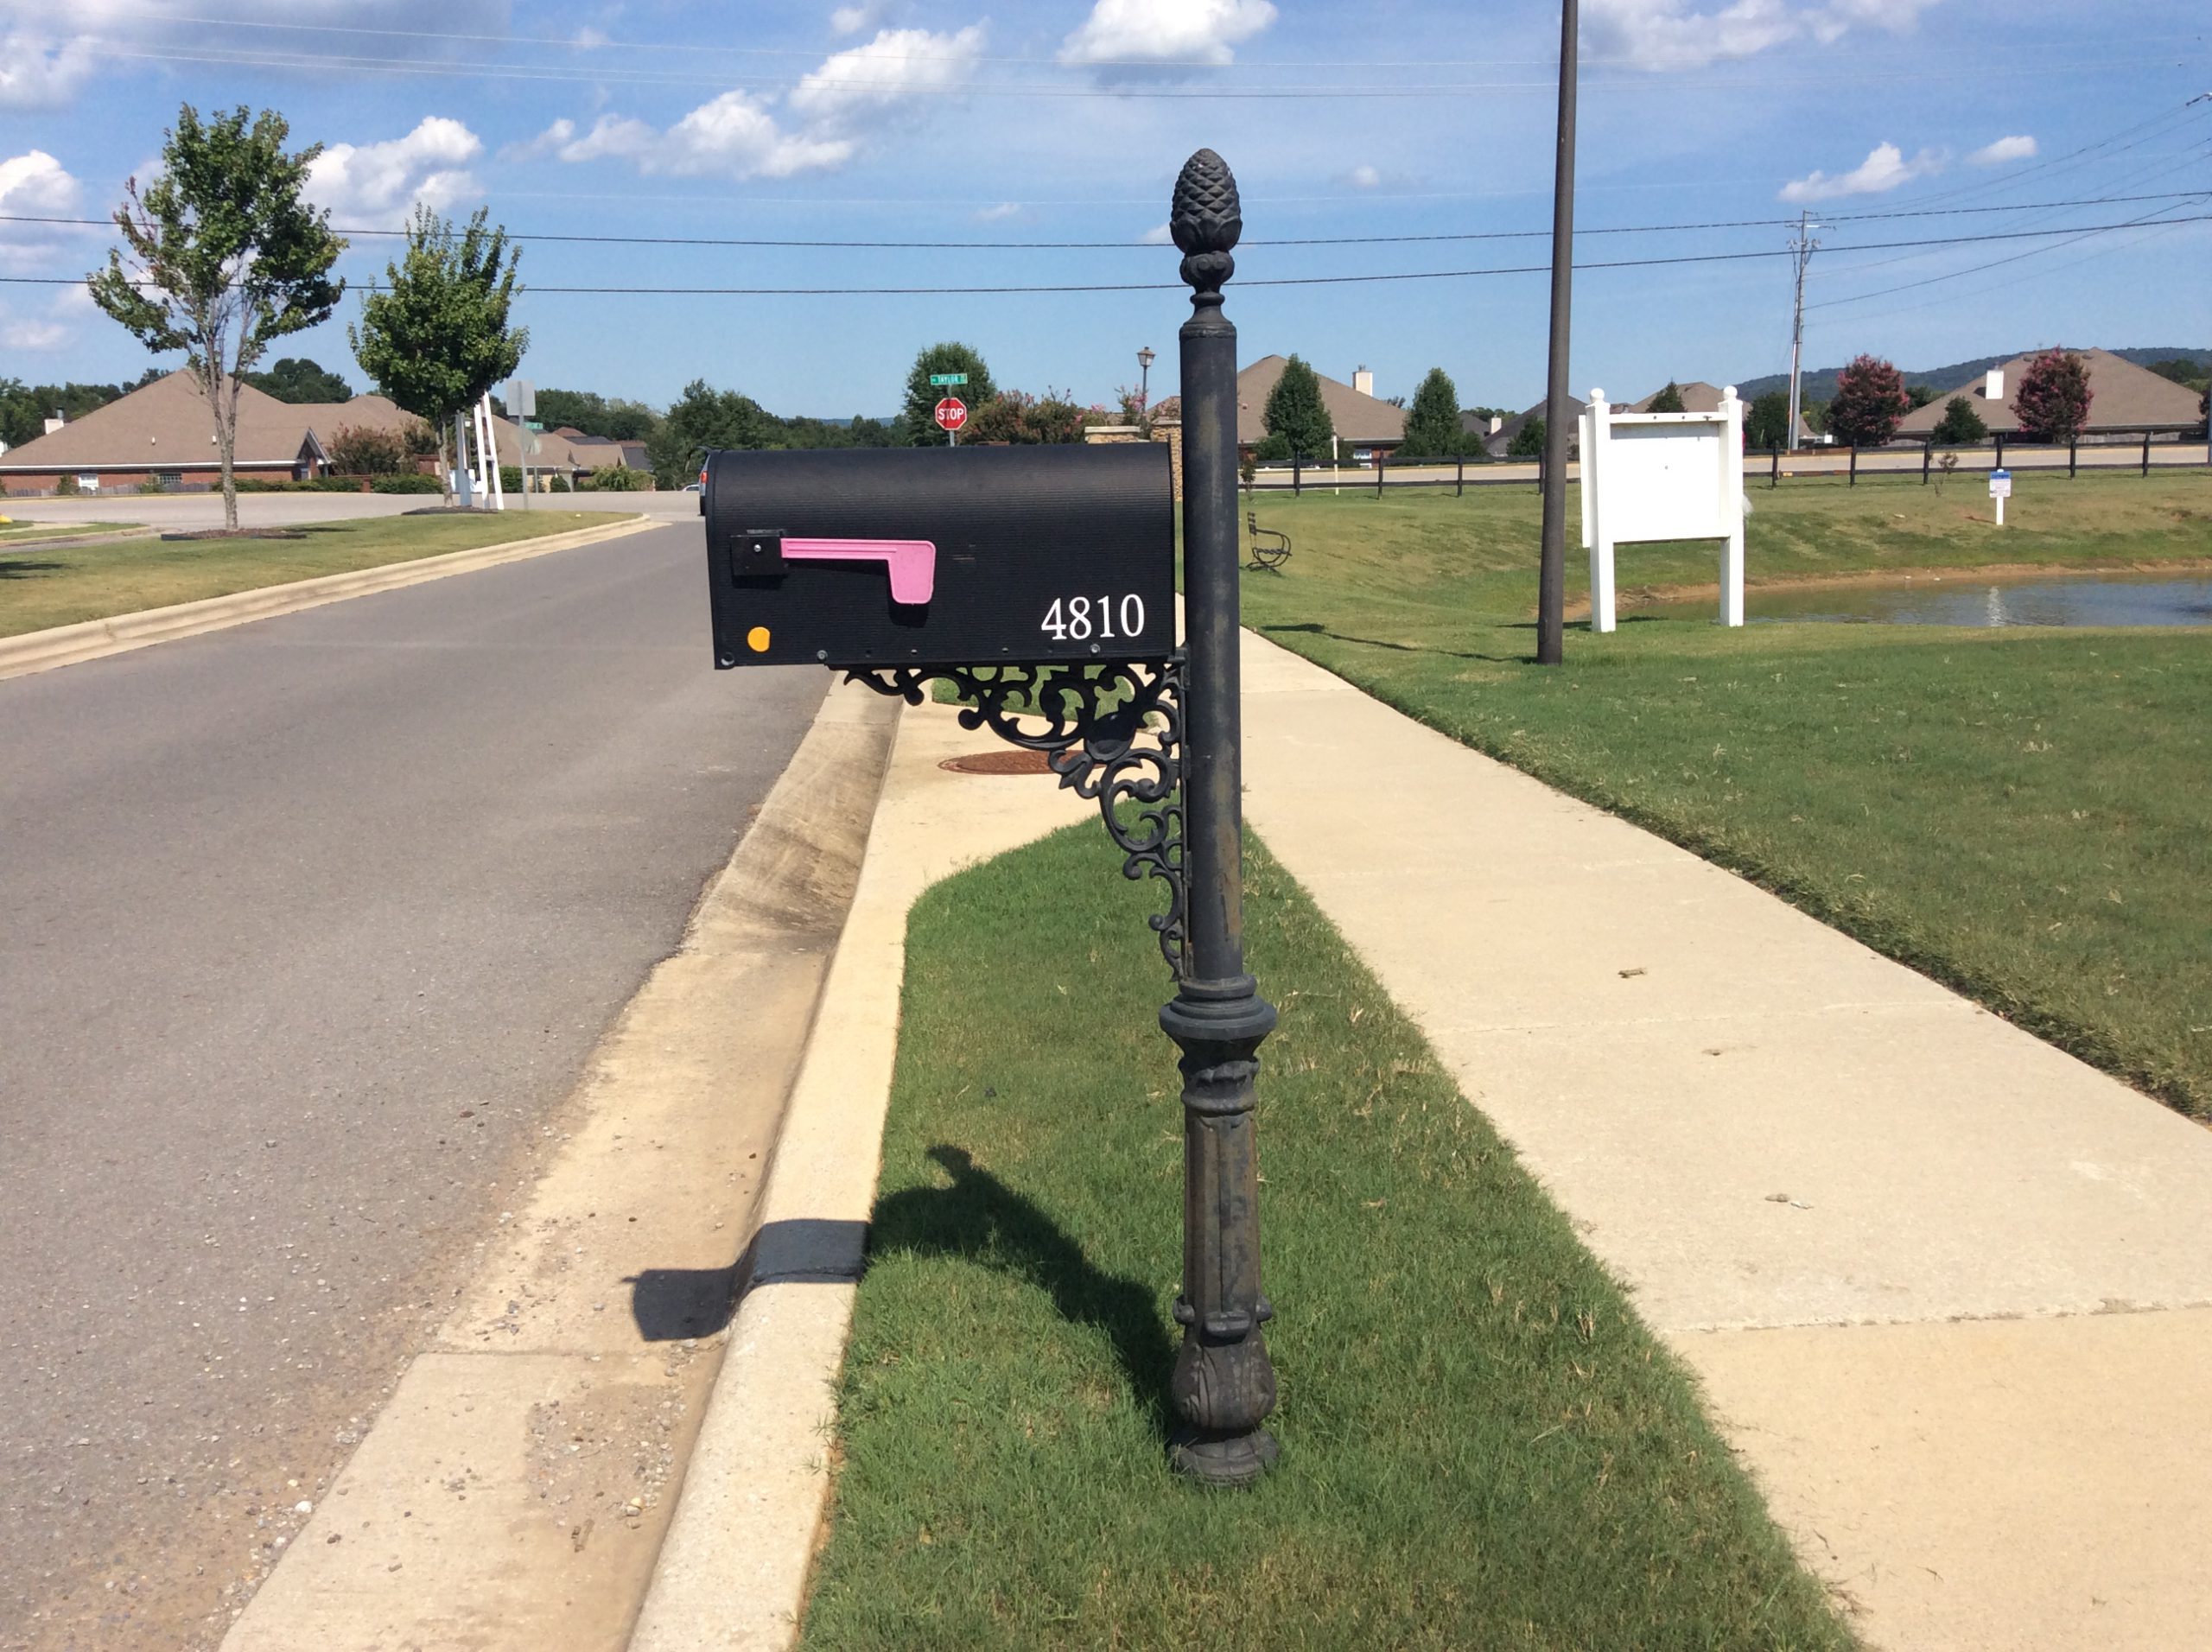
{"x":1820,"y":387}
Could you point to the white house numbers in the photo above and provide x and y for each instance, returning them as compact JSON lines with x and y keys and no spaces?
{"x":1109,"y":619}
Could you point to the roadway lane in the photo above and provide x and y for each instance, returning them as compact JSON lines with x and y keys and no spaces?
{"x":306,"y":930}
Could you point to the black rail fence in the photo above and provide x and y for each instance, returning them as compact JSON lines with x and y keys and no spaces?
{"x":2161,"y":448}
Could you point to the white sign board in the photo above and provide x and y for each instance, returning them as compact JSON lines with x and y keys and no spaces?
{"x":1648,"y":476}
{"x":2000,"y":484}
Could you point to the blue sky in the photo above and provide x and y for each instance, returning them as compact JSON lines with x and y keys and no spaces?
{"x":966,"y":120}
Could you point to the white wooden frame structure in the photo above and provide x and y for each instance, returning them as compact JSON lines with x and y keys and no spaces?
{"x":1648,"y":476}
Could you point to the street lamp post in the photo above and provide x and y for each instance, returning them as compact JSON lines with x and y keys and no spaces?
{"x":1145,"y":358}
{"x":1223,"y":1384}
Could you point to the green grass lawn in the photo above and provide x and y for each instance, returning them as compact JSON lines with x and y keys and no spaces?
{"x":2021,"y":814}
{"x":1481,"y":1445}
{"x":15,"y":532}
{"x":61,"y":586}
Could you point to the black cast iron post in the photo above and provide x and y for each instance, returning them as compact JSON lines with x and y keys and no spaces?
{"x":1224,"y":1385}
{"x":1551,"y":573}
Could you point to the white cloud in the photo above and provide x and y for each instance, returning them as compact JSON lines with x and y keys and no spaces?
{"x":551,"y":141}
{"x":1363,"y":177}
{"x":1149,"y":35}
{"x":1669,"y":34}
{"x":34,"y":335}
{"x":382,"y":181}
{"x":39,"y":72}
{"x":850,"y":20}
{"x":999,"y":213}
{"x":832,"y":109}
{"x":591,"y":39}
{"x":731,"y":137}
{"x":1158,"y":235}
{"x":2004,"y":149}
{"x":35,"y":185}
{"x":1883,"y":170}
{"x":897,"y":66}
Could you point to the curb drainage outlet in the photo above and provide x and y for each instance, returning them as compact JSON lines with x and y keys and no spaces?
{"x":1013,"y":762}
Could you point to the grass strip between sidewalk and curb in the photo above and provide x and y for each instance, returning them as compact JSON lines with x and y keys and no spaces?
{"x":1482,"y":1445}
{"x":2018,"y":813}
{"x":69,"y":585}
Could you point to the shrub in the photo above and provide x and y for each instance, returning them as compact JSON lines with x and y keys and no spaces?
{"x":617,"y":479}
{"x":358,"y":451}
{"x":1960,"y":426}
{"x":511,"y":479}
{"x":66,"y":485}
{"x":407,"y":481}
{"x":1529,"y":441}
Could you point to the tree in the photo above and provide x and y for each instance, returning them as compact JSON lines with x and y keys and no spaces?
{"x":2053,"y":400}
{"x":917,"y":415}
{"x":296,"y":379}
{"x":1432,"y":424}
{"x":1869,"y":401}
{"x":438,"y":337}
{"x":366,"y":450}
{"x":702,"y":421}
{"x":2181,"y":370}
{"x":1920,"y":395}
{"x":1296,"y":413}
{"x":225,"y":256}
{"x":1529,"y":441}
{"x":1960,"y":427}
{"x":1017,"y":417}
{"x":1767,"y":422}
{"x":1668,"y":400}
{"x":595,"y":415}
{"x":24,"y":409}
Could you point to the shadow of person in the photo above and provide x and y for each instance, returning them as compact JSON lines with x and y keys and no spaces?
{"x":980,"y":1219}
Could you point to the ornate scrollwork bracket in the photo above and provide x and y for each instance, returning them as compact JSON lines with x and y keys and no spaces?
{"x":1113,"y":734}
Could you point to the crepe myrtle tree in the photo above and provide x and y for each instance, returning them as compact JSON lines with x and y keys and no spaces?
{"x":438,"y":335}
{"x":2053,"y":400}
{"x":221,"y":254}
{"x":1870,"y":398}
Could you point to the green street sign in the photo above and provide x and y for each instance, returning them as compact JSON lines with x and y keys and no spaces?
{"x":948,"y":379}
{"x":533,"y":424}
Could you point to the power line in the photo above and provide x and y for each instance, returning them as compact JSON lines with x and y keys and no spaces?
{"x":2140,"y":221}
{"x":1147,"y":246}
{"x":2077,"y":232}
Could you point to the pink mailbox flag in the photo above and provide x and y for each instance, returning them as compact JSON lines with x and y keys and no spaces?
{"x":913,"y":561}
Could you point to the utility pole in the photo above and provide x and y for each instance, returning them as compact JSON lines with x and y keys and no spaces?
{"x":1551,"y":578}
{"x":1800,"y":251}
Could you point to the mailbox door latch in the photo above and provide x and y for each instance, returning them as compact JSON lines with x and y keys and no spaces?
{"x":911,"y":563}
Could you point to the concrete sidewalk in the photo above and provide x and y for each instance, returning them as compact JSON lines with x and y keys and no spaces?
{"x":1949,"y":1289}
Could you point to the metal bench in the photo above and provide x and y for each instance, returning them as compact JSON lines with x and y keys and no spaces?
{"x":1270,"y":546}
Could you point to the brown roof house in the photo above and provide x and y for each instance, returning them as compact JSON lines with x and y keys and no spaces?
{"x":1365,"y":426}
{"x":1499,"y":442}
{"x":165,"y":433}
{"x":2124,"y":399}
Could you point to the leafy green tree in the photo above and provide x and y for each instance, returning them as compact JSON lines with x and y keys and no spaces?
{"x":703,"y":420}
{"x":1017,"y":417}
{"x":296,"y":379}
{"x":1529,"y":441}
{"x":1433,"y":422}
{"x":1815,"y":415}
{"x":1960,"y":427}
{"x":1668,"y":400}
{"x":440,"y":334}
{"x":917,"y":418}
{"x":1920,"y":395}
{"x":1766,"y":422}
{"x":595,"y":415}
{"x":224,"y":256}
{"x":24,"y":409}
{"x":2053,"y":400}
{"x":2181,"y":370}
{"x":1296,"y":413}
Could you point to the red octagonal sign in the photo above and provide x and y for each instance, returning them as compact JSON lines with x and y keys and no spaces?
{"x":951,"y":413}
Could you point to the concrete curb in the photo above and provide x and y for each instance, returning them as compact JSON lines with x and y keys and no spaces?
{"x":733,"y":1569}
{"x":42,"y":651}
{"x":514,"y":1488}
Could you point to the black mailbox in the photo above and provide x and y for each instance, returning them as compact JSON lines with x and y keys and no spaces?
{"x":942,"y":555}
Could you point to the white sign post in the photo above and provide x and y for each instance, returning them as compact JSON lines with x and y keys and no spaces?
{"x":2000,"y":489}
{"x":1648,"y":476}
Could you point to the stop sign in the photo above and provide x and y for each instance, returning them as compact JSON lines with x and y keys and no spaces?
{"x":951,"y":413}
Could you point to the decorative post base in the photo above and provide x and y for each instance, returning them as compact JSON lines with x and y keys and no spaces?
{"x":1224,"y":1385}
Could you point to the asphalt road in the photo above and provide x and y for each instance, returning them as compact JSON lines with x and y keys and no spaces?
{"x":306,"y":929}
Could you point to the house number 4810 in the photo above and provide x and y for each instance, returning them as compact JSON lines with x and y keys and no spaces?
{"x":1081,"y":618}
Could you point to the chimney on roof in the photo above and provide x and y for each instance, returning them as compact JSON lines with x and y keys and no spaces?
{"x":55,"y":424}
{"x":1495,"y":425}
{"x":1992,"y":384}
{"x":1363,"y":381}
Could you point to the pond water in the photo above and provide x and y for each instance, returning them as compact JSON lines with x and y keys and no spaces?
{"x":1963,"y":600}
